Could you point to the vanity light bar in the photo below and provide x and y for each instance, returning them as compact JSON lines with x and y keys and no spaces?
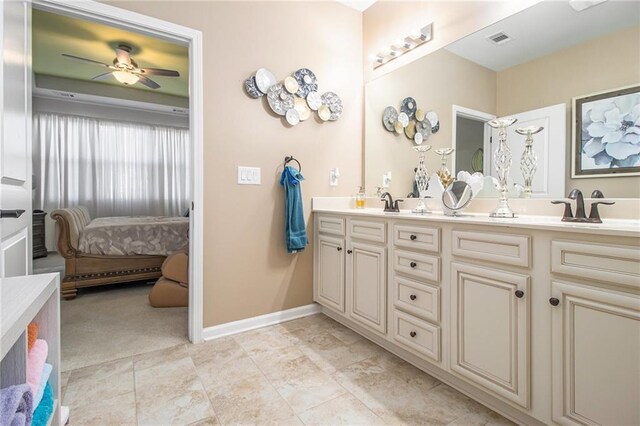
{"x":402,"y":45}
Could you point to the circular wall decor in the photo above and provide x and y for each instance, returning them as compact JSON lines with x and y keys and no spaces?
{"x":264,"y":79}
{"x":279,"y":100}
{"x":307,"y":82}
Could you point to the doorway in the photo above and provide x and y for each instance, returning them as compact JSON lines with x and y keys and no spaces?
{"x":120,"y":18}
{"x":471,"y":139}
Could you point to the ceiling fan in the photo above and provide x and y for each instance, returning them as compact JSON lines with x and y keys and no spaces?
{"x":126,"y":70}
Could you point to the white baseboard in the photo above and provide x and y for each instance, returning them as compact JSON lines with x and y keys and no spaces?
{"x":247,"y":324}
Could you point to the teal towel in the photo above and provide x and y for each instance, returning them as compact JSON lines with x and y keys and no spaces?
{"x":295,"y":231}
{"x":46,"y":372}
{"x":43,"y":413}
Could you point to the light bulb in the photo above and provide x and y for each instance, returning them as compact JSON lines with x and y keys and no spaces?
{"x":126,"y":77}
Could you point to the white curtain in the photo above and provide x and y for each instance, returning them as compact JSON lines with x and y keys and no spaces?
{"x":113,"y":168}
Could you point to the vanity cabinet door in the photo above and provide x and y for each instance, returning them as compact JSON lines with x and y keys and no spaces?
{"x":490,"y":330}
{"x":595,"y":356}
{"x":330,"y":272}
{"x":366,"y":285}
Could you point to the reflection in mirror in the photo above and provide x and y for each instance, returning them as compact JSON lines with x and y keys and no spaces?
{"x":456,"y":197}
{"x":529,"y":66}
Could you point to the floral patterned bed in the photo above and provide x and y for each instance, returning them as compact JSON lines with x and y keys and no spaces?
{"x":135,"y":235}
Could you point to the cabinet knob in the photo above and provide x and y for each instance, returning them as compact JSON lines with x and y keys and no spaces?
{"x":519,"y":294}
{"x":413,"y":264}
{"x":554,"y":301}
{"x":349,"y":251}
{"x":339,"y":248}
{"x":413,"y":334}
{"x":413,"y":237}
{"x":413,"y":297}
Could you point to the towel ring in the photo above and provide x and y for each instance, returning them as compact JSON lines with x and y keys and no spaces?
{"x":290,"y":158}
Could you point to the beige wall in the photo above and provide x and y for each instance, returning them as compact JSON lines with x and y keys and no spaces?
{"x":437,"y":82}
{"x":386,"y":21}
{"x":247,"y":271}
{"x":605,"y":63}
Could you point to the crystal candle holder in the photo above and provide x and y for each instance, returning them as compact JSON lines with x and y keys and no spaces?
{"x":529,"y":160}
{"x":443,"y":173}
{"x":502,"y":160}
{"x":422,"y":179}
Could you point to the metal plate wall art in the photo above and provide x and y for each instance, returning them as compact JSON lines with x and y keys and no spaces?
{"x":279,"y":100}
{"x":416,"y":123}
{"x":296,"y":97}
{"x":251,"y":88}
{"x":307,"y":82}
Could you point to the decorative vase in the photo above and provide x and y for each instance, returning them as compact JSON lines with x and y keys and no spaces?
{"x":443,"y":173}
{"x":502,"y":160}
{"x":422,"y":178}
{"x":529,"y":160}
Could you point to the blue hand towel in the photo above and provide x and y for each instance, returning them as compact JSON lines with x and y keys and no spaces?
{"x":295,"y":231}
{"x":46,"y":372}
{"x":15,"y":405}
{"x":43,"y":413}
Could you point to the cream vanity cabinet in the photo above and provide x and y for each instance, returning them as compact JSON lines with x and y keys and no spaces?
{"x":537,"y":322}
{"x":350,"y":269}
{"x":490,"y":312}
{"x":595,"y":333}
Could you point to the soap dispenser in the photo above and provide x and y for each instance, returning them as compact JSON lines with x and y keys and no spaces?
{"x":360,"y":198}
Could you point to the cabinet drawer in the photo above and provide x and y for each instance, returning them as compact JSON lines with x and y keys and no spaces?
{"x":416,"y":237}
{"x":611,"y":263}
{"x":416,"y":335}
{"x":508,"y":249}
{"x":417,"y":265}
{"x":416,"y":298}
{"x":368,"y":230}
{"x":331,"y":225}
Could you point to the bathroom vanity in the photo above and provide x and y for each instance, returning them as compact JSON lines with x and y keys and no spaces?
{"x":535,"y":318}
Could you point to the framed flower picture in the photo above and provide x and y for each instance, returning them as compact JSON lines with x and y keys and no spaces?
{"x":606,"y":134}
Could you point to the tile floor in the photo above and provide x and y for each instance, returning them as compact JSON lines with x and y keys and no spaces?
{"x":309,"y":371}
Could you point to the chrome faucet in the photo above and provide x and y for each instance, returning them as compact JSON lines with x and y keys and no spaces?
{"x":594,"y":214}
{"x":390,"y":206}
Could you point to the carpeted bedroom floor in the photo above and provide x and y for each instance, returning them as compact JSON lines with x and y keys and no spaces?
{"x":112,"y":322}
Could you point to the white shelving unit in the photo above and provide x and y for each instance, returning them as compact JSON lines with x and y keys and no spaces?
{"x":23,"y":300}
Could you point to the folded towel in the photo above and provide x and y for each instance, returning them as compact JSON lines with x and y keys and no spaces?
{"x":46,"y":372}
{"x":35,"y":364}
{"x":15,"y":405}
{"x":45,"y":408}
{"x":32,"y":334}
{"x":295,"y":231}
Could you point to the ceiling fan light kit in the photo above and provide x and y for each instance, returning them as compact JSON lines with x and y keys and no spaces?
{"x":126,"y":70}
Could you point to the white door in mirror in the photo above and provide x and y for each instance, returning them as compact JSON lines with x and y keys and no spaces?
{"x":548,"y":145}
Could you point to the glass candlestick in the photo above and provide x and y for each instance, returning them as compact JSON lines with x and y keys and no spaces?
{"x":443,"y":173}
{"x":422,"y":178}
{"x":502,"y":160}
{"x":529,"y":160}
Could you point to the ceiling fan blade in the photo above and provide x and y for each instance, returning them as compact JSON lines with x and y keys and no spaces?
{"x":122,"y":56}
{"x":148,"y":82}
{"x":158,"y":71}
{"x":90,"y":61}
{"x":102,"y":77}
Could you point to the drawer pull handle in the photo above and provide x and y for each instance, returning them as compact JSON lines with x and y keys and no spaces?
{"x":349,"y":251}
{"x":339,"y":248}
{"x":413,"y":297}
{"x":413,"y":237}
{"x":554,"y":301}
{"x":519,"y":294}
{"x":413,"y":264}
{"x":413,"y":334}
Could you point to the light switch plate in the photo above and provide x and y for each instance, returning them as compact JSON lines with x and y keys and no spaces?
{"x":248,"y":175}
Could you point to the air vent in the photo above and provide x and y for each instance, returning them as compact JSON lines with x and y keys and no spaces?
{"x":499,"y":38}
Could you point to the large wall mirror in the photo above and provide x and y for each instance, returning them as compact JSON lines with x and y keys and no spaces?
{"x":540,"y":66}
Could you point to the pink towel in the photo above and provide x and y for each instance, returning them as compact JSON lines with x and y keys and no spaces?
{"x":35,"y":364}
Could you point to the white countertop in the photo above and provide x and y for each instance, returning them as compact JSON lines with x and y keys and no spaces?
{"x":614,"y":227}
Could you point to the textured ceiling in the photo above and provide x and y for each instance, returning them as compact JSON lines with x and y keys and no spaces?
{"x":56,"y":34}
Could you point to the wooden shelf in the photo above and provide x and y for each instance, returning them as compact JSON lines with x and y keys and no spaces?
{"x":23,"y":300}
